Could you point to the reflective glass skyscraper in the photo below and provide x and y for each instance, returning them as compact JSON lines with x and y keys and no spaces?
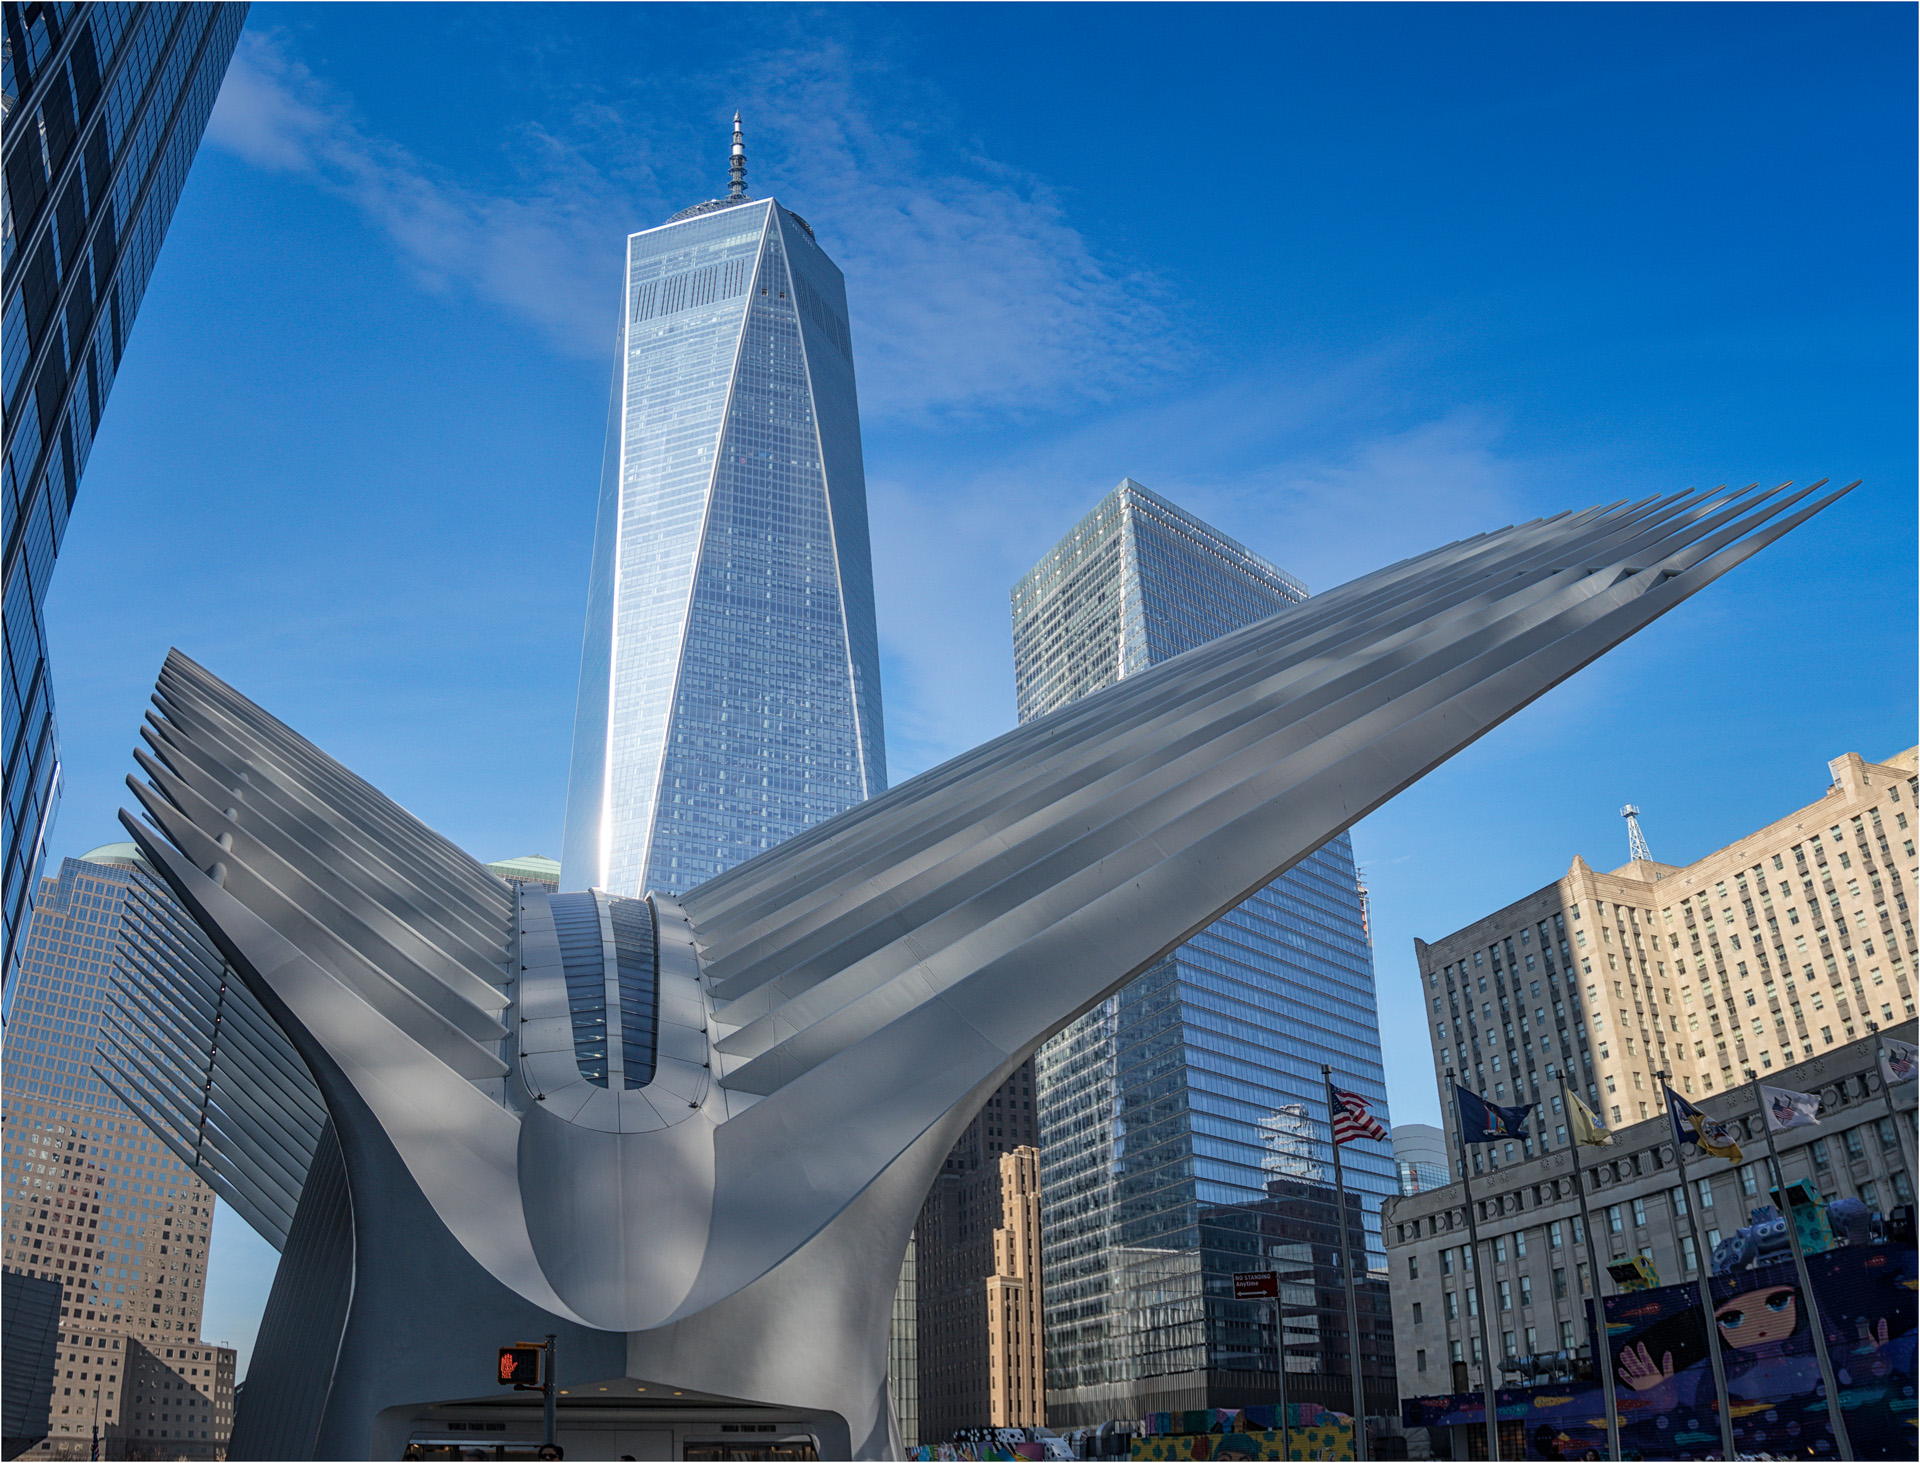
{"x":105,"y":105}
{"x":1183,"y":1122}
{"x":730,"y":676}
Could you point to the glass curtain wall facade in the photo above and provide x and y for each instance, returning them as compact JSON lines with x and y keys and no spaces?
{"x":729,"y":678}
{"x":1183,"y":1122}
{"x":105,"y":105}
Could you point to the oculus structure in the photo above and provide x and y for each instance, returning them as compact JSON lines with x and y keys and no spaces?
{"x":689,"y":1133}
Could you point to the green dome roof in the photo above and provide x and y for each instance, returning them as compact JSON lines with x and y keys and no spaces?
{"x":114,"y":853}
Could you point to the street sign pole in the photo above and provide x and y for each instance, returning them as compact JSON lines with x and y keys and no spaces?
{"x":1251,"y":1285}
{"x":1280,"y":1359}
{"x":548,"y":1406}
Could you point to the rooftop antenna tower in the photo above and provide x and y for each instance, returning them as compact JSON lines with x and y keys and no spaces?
{"x":737,"y":187}
{"x":1636,"y":840}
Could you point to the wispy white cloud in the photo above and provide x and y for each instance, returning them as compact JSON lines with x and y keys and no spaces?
{"x":548,"y":254}
{"x":971,"y":288}
{"x":971,"y":291}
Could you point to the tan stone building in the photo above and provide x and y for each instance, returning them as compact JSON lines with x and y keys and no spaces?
{"x":978,"y":1271}
{"x":1018,"y":1381}
{"x":94,"y":1200}
{"x":1535,"y":1268}
{"x":179,"y":1402}
{"x":1762,"y":954}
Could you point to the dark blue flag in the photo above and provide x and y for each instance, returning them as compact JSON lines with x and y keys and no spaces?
{"x":1482,"y":1122}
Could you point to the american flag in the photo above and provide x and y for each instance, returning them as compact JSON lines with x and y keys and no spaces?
{"x":1351,"y":1120}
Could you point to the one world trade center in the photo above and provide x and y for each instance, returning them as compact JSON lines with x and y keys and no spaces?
{"x":730,"y":674}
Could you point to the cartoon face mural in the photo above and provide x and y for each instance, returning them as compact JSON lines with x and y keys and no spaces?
{"x":1759,"y":1316}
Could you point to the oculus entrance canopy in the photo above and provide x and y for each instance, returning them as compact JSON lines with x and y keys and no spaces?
{"x":691,"y":1136}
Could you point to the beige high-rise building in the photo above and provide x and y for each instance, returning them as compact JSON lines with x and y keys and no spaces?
{"x":978,"y":1254}
{"x":95,"y":1201}
{"x":1018,"y":1380}
{"x":1761,"y":954}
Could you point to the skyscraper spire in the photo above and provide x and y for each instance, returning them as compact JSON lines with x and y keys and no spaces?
{"x":737,"y":187}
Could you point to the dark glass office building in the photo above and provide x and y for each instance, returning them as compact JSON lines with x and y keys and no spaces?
{"x":1183,"y":1121}
{"x":105,"y":106}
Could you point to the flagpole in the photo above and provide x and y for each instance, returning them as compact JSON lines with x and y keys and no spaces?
{"x":1886,"y":1088}
{"x":1346,"y":1259}
{"x":1841,"y":1441}
{"x":1603,"y":1347}
{"x":1488,"y":1389}
{"x":1705,"y":1262}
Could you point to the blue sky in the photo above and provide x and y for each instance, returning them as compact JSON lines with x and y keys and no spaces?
{"x":1347,"y":282}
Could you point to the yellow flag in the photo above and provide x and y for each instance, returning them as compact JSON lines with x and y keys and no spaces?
{"x":1586,"y":1127}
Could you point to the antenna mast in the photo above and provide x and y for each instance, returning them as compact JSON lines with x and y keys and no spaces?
{"x":1636,"y":840}
{"x":737,"y":186}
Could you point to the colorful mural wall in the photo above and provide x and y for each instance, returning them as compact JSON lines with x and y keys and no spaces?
{"x":1656,"y":1342}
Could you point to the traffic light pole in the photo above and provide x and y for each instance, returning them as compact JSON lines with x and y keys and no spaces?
{"x":548,"y":1420}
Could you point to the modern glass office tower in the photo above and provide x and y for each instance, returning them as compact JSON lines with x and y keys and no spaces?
{"x":104,"y":105}
{"x":730,"y":674}
{"x":1183,"y":1122}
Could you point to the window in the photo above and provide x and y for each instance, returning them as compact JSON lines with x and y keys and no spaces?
{"x":1616,"y":1221}
{"x":1500,"y":1249}
{"x":1454,"y":1352}
{"x":1855,"y":1147}
{"x":1870,"y":1196}
{"x":1420,"y":1359}
{"x":1478,"y":1355}
{"x":1585,"y":1277}
{"x":1526,"y":1290}
{"x":1566,"y":1336}
{"x":1555,"y":1236}
{"x":1520,"y":1244}
{"x":1451,"y":1304}
{"x":1413,"y":1267}
{"x":1560,"y":1282}
{"x":1704,"y":1187}
{"x":1506,"y":1295}
{"x":1689,"y":1257}
{"x":1446,"y":1262}
{"x":1507,"y":1341}
{"x":1749,"y":1183}
{"x":1473,"y":1301}
{"x":1821,"y":1158}
{"x":1466,"y":1259}
{"x":1419,"y":1318}
{"x":1889,"y":1135}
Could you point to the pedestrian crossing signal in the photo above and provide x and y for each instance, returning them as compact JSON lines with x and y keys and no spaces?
{"x":520,"y":1367}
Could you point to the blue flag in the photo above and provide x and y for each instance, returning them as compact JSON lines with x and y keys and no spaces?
{"x":1482,"y":1122}
{"x":1691,"y":1126}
